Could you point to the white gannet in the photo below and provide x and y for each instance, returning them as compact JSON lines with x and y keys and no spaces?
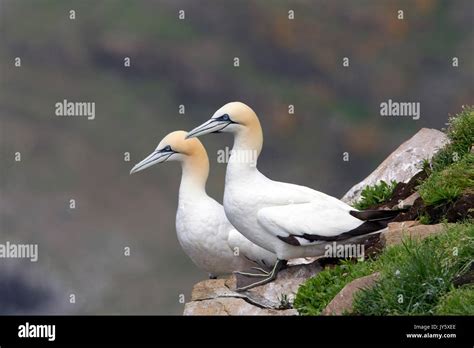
{"x":203,"y":230}
{"x":290,"y":220}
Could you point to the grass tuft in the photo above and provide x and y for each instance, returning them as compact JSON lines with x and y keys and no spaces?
{"x":376,"y":194}
{"x":461,"y":135}
{"x":414,"y":276}
{"x":424,"y":219}
{"x":316,"y":293}
{"x":450,"y":183}
{"x":458,"y":301}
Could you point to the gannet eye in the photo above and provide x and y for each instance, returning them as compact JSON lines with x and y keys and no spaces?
{"x":167,"y":149}
{"x":225,"y":117}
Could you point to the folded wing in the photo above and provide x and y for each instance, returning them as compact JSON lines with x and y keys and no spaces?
{"x":312,"y":223}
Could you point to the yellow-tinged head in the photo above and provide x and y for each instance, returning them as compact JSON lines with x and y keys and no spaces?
{"x":176,"y":147}
{"x":237,"y":118}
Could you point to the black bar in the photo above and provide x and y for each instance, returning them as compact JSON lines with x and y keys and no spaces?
{"x":133,"y":330}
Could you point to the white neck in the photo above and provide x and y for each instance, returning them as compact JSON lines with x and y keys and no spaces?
{"x":193,"y":178}
{"x":248,"y":142}
{"x":249,"y":137}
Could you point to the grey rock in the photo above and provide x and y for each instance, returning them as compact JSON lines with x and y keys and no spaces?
{"x":398,"y":231}
{"x":403,"y":163}
{"x":217,"y":296}
{"x":342,"y":302}
{"x":407,"y":202}
{"x":230,"y":306}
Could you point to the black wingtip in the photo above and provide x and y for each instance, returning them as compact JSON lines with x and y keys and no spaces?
{"x":290,"y":240}
{"x":376,"y":215}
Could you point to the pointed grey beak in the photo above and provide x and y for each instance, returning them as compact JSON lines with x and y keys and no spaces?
{"x":213,"y":125}
{"x":153,"y":158}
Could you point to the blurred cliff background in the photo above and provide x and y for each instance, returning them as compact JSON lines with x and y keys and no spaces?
{"x":191,"y":62}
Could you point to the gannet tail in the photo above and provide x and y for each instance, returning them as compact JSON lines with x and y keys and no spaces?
{"x":376,"y":215}
{"x":374,"y":220}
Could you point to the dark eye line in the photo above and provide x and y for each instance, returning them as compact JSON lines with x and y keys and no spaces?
{"x":225,"y":117}
{"x":167,"y":148}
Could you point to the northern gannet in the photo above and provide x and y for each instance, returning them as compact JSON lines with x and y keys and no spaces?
{"x":289,"y":220}
{"x":203,"y":230}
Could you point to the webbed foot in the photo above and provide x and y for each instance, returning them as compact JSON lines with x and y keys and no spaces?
{"x":246,"y":280}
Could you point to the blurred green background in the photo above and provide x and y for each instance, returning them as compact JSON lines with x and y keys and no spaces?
{"x":190,"y":62}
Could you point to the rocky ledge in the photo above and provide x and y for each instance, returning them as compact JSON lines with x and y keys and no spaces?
{"x":217,"y":297}
{"x":403,"y":163}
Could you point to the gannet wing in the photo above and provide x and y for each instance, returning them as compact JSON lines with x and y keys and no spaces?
{"x":312,"y":223}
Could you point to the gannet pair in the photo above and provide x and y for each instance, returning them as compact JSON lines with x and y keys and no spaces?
{"x":203,"y":230}
{"x":289,"y":220}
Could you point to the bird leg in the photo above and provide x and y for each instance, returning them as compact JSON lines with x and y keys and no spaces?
{"x":261,"y":272}
{"x":243,"y":278}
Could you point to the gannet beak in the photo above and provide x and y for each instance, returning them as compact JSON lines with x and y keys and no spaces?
{"x":153,"y":158}
{"x":213,"y":125}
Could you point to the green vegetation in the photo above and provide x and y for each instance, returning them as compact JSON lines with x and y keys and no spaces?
{"x":316,"y":293}
{"x":285,"y":302}
{"x":376,"y":194}
{"x":451,"y":172}
{"x":449,"y":183}
{"x":461,"y":135}
{"x":459,"y":301}
{"x":415,"y":277}
{"x":426,"y":165}
{"x":424,"y":219}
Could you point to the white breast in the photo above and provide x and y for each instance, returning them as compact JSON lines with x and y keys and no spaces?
{"x":204,"y":234}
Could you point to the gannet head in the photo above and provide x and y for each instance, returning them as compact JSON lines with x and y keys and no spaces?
{"x":173,"y":147}
{"x":232,"y":118}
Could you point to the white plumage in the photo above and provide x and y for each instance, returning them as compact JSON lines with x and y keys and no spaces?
{"x":266,"y":210}
{"x":290,"y":220}
{"x":203,"y":230}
